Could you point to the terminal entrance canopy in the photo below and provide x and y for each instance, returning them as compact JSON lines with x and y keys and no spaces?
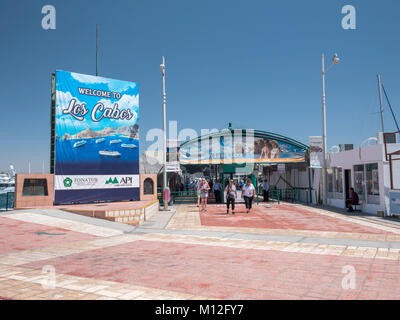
{"x":235,"y":146}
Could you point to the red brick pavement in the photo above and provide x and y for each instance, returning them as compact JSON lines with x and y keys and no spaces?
{"x":280,"y":217}
{"x":16,"y":235}
{"x":232,"y":273}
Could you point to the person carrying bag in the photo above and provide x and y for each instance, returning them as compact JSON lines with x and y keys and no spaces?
{"x":231,"y":195}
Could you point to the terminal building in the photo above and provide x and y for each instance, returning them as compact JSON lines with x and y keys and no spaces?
{"x":372,"y":170}
{"x":240,"y":153}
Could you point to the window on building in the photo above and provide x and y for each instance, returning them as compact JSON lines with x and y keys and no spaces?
{"x":339,"y":180}
{"x":372,"y":179}
{"x":148,"y":186}
{"x":329,"y":172}
{"x":338,"y":183}
{"x":359,"y":181}
{"x":35,"y":187}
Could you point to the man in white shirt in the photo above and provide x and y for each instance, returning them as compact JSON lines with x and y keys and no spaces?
{"x":248,"y":193}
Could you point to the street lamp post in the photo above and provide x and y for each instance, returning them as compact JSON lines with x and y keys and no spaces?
{"x":335,"y":60}
{"x":165,"y":201}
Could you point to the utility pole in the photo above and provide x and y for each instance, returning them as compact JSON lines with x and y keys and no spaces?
{"x":165,"y":184}
{"x":380,"y":103}
{"x":97,"y":47}
{"x":335,"y":60}
{"x":324,"y":175}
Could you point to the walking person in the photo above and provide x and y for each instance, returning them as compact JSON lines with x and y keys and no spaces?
{"x":204,"y":187}
{"x":266,"y":190}
{"x":231,"y":195}
{"x":217,"y":188}
{"x":248,"y":193}
{"x":198,"y":193}
{"x":211,"y":184}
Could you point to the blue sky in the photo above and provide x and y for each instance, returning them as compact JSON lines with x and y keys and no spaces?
{"x":256,"y":64}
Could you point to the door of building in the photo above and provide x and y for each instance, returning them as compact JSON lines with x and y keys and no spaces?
{"x":347,"y":182}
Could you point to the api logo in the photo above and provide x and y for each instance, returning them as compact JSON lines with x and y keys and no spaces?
{"x":111,"y":181}
{"x":126,"y":181}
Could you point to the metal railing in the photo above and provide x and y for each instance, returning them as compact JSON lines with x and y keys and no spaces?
{"x":277,"y":195}
{"x":290,"y":195}
{"x":178,"y":196}
{"x":6,"y":201}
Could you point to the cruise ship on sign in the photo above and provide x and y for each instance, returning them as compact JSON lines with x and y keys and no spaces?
{"x":115,"y":141}
{"x":126,"y":145}
{"x":109,"y":153}
{"x":79,"y":144}
{"x":100,"y":140}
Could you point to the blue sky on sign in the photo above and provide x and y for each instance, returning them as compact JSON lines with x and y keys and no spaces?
{"x":68,"y":86}
{"x":254,"y":63}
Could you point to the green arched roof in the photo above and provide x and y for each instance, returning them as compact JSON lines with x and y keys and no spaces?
{"x":257,"y":134}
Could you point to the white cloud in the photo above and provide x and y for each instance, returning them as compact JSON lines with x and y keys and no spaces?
{"x":62,"y":101}
{"x":106,"y":102}
{"x":85,"y":78}
{"x":126,"y":102}
{"x":114,"y":85}
{"x":129,"y":101}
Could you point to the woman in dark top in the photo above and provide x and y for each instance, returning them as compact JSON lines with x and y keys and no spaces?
{"x":353,"y":201}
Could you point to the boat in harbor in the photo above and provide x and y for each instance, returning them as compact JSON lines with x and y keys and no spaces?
{"x":100,"y":140}
{"x":115,"y":141}
{"x":79,"y":144}
{"x":127,"y":145}
{"x":7,"y":181}
{"x":109,"y":153}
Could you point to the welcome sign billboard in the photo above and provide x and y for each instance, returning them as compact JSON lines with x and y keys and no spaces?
{"x":97,"y":139}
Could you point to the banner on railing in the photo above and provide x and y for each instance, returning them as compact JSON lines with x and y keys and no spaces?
{"x":316,"y":154}
{"x":173,"y":156}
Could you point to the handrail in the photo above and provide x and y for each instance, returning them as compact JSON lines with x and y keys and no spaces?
{"x":9,"y":200}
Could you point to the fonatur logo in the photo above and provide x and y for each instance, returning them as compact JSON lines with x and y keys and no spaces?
{"x":85,"y":181}
{"x":67,"y":182}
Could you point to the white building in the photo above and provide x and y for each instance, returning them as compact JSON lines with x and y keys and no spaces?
{"x":366,"y":169}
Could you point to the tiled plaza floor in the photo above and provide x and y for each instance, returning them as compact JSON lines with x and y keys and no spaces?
{"x":202,"y":256}
{"x":230,"y":273}
{"x":18,"y":236}
{"x":279,"y":217}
